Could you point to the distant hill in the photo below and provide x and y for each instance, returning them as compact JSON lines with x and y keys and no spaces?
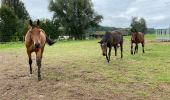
{"x":125,"y":31}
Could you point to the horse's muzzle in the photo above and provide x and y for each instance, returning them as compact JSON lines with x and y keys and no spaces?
{"x":37,"y":45}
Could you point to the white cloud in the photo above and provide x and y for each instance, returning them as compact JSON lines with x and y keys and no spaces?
{"x":131,"y":11}
{"x":38,"y":9}
{"x":116,"y":13}
{"x":159,"y":18}
{"x":155,"y":12}
{"x":0,"y":3}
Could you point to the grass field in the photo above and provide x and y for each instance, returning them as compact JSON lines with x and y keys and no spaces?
{"x":76,"y":70}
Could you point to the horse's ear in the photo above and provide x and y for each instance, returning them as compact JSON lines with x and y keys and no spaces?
{"x":30,"y":22}
{"x":38,"y":22}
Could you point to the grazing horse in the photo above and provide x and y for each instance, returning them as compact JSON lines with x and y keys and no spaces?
{"x":35,"y":40}
{"x":137,"y":37}
{"x":111,"y":39}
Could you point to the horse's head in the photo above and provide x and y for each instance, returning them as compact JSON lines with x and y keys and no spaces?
{"x":35,"y":33}
{"x":134,"y":34}
{"x":103,"y":47}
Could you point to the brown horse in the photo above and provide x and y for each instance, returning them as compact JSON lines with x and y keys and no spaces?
{"x":137,"y":37}
{"x":35,"y":40}
{"x":111,"y":39}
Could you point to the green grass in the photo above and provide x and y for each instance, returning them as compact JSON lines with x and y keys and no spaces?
{"x":11,"y":45}
{"x":83,"y":61}
{"x":150,"y":36}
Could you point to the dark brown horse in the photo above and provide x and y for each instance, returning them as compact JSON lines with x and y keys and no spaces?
{"x":111,"y":39}
{"x":35,"y":40}
{"x":137,"y":37}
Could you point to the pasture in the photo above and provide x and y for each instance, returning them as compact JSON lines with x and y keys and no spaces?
{"x":76,"y":70}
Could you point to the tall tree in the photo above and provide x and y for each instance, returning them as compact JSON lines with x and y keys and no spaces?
{"x":50,"y":27}
{"x":138,"y":24}
{"x":8,"y":23}
{"x":18,"y":7}
{"x":75,"y":15}
{"x":143,"y":25}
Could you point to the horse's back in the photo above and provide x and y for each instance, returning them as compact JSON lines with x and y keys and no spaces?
{"x":117,"y":37}
{"x":141,"y":37}
{"x":137,"y":37}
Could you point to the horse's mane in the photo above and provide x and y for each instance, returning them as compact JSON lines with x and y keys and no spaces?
{"x":42,"y":30}
{"x":106,"y":37}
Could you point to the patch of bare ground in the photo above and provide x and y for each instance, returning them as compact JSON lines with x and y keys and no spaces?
{"x":68,"y":83}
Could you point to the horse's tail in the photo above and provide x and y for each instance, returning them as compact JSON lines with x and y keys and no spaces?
{"x":49,"y":41}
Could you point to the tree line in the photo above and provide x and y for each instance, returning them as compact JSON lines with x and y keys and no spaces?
{"x":70,"y":17}
{"x":12,"y":19}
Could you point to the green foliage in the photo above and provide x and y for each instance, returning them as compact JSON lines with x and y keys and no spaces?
{"x":76,"y":16}
{"x":8,"y":23}
{"x":50,"y":27}
{"x":13,"y":16}
{"x":138,"y":24}
{"x":104,"y":28}
{"x":18,"y":7}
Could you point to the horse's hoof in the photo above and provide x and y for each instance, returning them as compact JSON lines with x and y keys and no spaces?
{"x":39,"y":79}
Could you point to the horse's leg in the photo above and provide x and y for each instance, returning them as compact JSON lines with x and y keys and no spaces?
{"x":135,"y":48}
{"x":115,"y":47}
{"x":38,"y":60}
{"x":121,"y":49}
{"x":42,"y":50}
{"x":30,"y":61}
{"x":107,"y":57}
{"x":131,"y":48}
{"x":110,"y":48}
{"x":143,"y":47}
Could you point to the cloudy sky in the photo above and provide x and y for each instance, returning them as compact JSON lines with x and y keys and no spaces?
{"x":116,"y":13}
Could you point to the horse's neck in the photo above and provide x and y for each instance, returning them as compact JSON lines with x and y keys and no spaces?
{"x":29,"y":33}
{"x":42,"y":30}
